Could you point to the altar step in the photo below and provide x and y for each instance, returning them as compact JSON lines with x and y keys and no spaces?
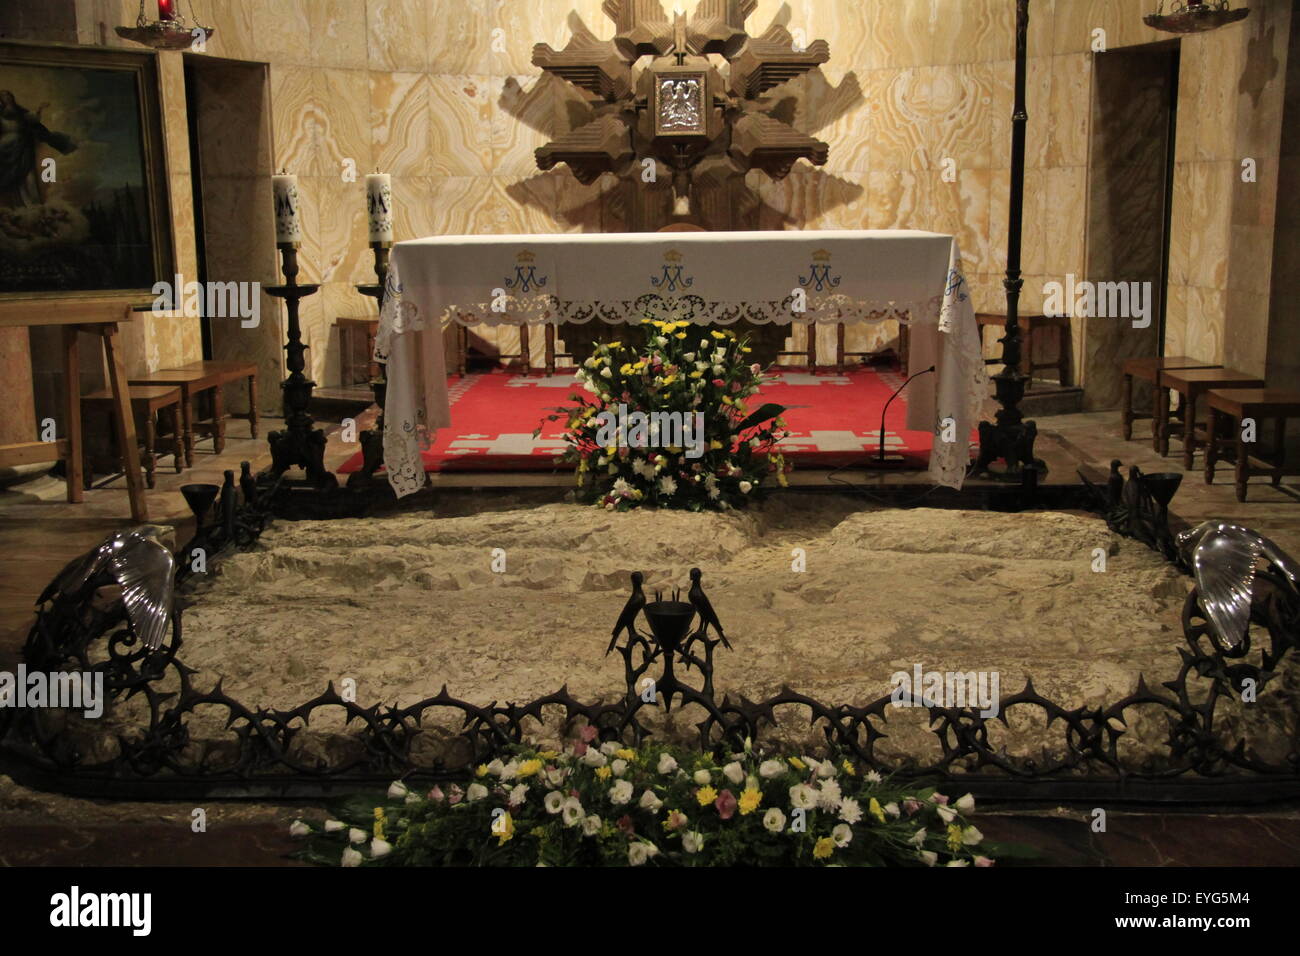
{"x":335,"y":404}
{"x":1051,"y":398}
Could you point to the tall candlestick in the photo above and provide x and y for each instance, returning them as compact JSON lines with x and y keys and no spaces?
{"x":379,"y":204}
{"x":288,"y":226}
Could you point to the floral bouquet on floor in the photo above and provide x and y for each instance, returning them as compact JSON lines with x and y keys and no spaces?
{"x":611,"y":805}
{"x":669,"y":425}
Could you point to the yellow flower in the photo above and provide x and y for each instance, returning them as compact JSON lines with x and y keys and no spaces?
{"x":824,"y":848}
{"x":747,"y":350}
{"x":706,"y":795}
{"x":614,"y":345}
{"x":625,"y":753}
{"x":547,"y":754}
{"x":669,"y":379}
{"x":797,"y":763}
{"x":603,"y":773}
{"x":954,"y":837}
{"x":718,"y":335}
{"x":715,"y":445}
{"x":611,"y":450}
{"x":696,"y":374}
{"x":875,"y":809}
{"x":529,"y":767}
{"x":680,"y":335}
{"x":848,"y":768}
{"x":504,"y":828}
{"x":749,"y":801}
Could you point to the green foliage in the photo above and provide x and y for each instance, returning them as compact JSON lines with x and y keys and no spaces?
{"x":653,"y":806}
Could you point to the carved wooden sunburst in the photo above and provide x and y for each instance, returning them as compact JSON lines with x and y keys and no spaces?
{"x":684,"y":92}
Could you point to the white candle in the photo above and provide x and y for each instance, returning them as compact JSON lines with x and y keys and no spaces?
{"x":379,"y":204}
{"x":288,"y":225}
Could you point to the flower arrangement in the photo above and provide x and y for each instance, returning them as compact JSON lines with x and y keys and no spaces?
{"x":695,"y":444}
{"x":611,"y":805}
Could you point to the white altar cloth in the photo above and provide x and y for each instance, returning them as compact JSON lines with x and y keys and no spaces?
{"x":706,"y":277}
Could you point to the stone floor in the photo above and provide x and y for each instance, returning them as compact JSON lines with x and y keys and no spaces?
{"x":40,"y":532}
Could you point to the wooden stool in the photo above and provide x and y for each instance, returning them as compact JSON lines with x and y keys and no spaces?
{"x":1028,"y":323}
{"x":1242,"y":403}
{"x":207,"y":376}
{"x":147,"y":403}
{"x":1191,"y":384}
{"x":1148,"y":369}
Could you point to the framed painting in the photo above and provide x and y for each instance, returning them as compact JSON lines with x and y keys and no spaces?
{"x":83,"y":195}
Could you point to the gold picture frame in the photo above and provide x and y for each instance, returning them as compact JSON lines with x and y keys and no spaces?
{"x":89,"y":225}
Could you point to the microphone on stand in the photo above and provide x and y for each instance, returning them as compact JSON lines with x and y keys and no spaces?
{"x":880,"y":456}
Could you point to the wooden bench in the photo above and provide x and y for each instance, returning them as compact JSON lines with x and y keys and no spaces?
{"x":1148,"y":369}
{"x":148,"y":402}
{"x":1028,"y":325}
{"x":1191,"y":384}
{"x":1244,"y":404}
{"x":197,"y":378}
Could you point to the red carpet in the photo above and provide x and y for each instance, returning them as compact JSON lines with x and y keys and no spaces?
{"x":834,"y":420}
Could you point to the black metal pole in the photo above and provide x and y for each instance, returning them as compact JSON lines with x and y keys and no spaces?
{"x":1012,"y":438}
{"x":372,"y":440}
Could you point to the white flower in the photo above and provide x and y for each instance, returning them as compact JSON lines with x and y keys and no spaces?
{"x":842,"y":834}
{"x":334,"y":826}
{"x":496,"y":768}
{"x":946,"y":814}
{"x":803,"y":797}
{"x":650,"y":802}
{"x":510,"y":770}
{"x":606,"y":372}
{"x":826,"y":769}
{"x":828,"y":796}
{"x":553,"y":802}
{"x":357,"y":836}
{"x":667,"y":485}
{"x":661,"y":340}
{"x":299,"y":829}
{"x":518,"y":795}
{"x":746,"y":487}
{"x":397,"y":790}
{"x":591,"y":825}
{"x":704,"y":344}
{"x":850,"y":810}
{"x":351,"y":857}
{"x":971,"y":836}
{"x":571,"y":812}
{"x":619,"y":767}
{"x":688,"y":356}
{"x":734,"y":772}
{"x":959,"y":862}
{"x":412,"y":798}
{"x":770,"y":768}
{"x":774,"y":820}
{"x":928,"y":857}
{"x":475,"y":791}
{"x":918,"y":837}
{"x":640,"y":851}
{"x":555,"y":775}
{"x":666,"y":764}
{"x":621,"y":792}
{"x":610,"y":747}
{"x":703,"y":778}
{"x":874,"y":777}
{"x":622,"y":488}
{"x":692,"y":841}
{"x":892,"y":809}
{"x":966,"y":804}
{"x":594,"y":758}
{"x":645,"y":469}
{"x":380,"y":848}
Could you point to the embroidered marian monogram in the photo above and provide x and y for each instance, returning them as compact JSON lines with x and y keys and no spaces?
{"x":526,"y":278}
{"x":674,"y":277}
{"x":819,"y":276}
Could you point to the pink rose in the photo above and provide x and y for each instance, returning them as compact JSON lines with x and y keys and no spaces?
{"x":454,"y":794}
{"x":911,"y":805}
{"x":436,"y":794}
{"x":735,"y":386}
{"x":625,"y":824}
{"x":726,"y":804}
{"x":718,"y":383}
{"x":579,"y":748}
{"x":941,"y":799}
{"x":588,"y":734}
{"x":983,"y":861}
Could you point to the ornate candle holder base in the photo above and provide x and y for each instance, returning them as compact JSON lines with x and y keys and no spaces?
{"x":372,"y":439}
{"x":298,"y":444}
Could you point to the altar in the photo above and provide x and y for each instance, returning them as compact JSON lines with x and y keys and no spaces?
{"x":720,"y":279}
